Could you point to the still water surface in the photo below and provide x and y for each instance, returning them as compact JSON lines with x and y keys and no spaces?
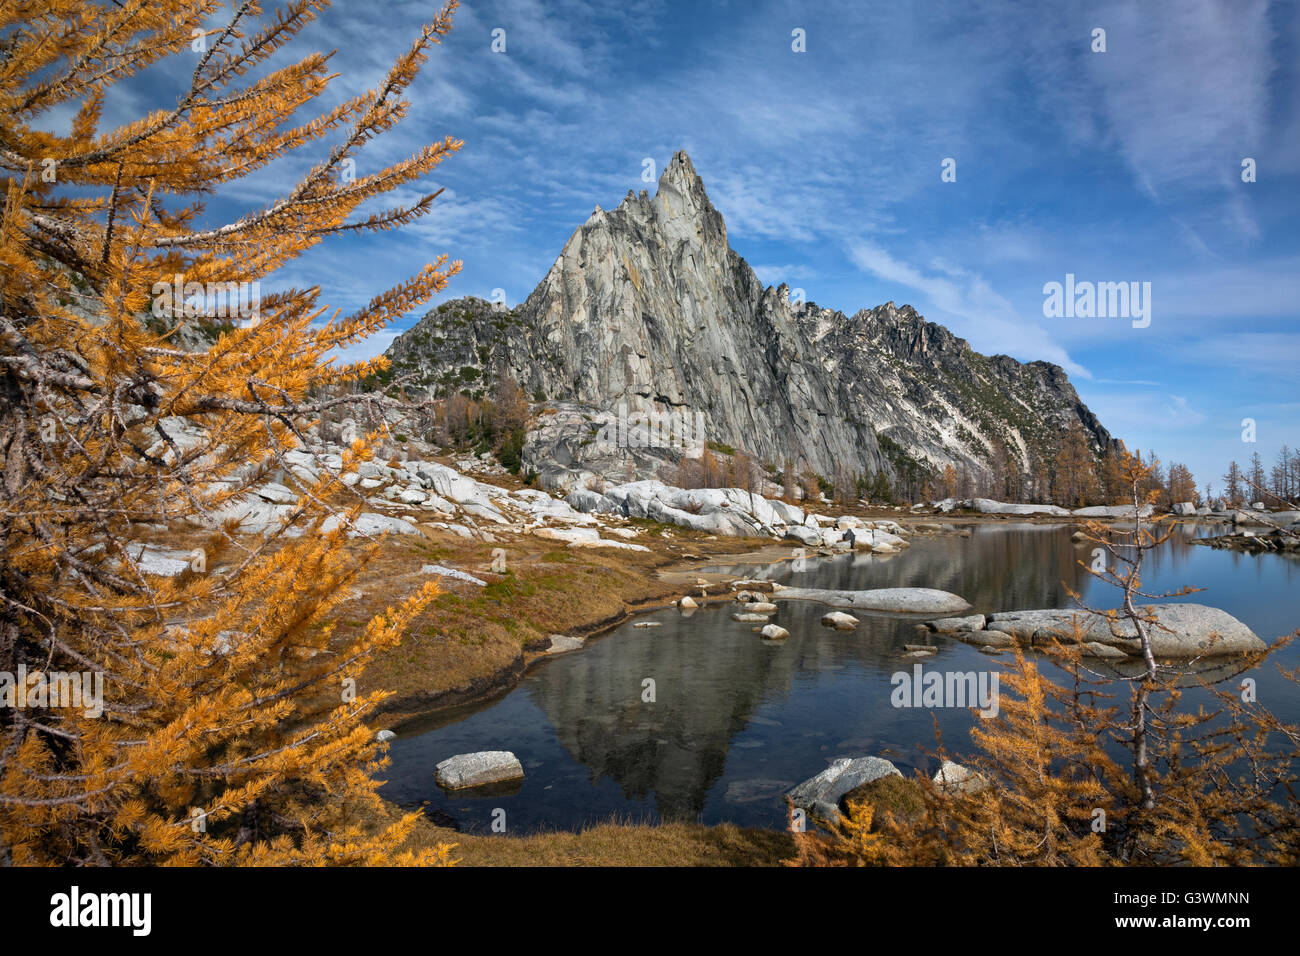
{"x":737,"y":720}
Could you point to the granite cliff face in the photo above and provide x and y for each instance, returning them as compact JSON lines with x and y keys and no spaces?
{"x":649,"y":309}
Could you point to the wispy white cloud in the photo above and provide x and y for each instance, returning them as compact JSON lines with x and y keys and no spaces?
{"x":1181,"y":413}
{"x":1182,"y":92}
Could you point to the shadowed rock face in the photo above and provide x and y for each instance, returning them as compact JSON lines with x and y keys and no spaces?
{"x":648,"y":307}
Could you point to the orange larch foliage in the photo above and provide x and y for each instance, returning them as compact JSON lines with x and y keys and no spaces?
{"x":228,"y":732}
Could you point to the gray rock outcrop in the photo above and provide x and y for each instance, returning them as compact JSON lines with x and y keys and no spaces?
{"x":988,"y":506}
{"x":1114,"y":511}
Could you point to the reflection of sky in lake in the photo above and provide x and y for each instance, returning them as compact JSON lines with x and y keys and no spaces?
{"x":737,"y":720}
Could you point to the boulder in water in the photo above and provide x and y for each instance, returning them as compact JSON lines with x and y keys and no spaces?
{"x":478,"y":769}
{"x":820,"y":795}
{"x":840,"y":621}
{"x":900,"y":600}
{"x":1186,"y":630}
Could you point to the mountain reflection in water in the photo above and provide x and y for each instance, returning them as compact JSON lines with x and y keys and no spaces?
{"x":736,"y":720}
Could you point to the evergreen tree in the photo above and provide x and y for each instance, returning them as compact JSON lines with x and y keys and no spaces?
{"x":1256,"y":480}
{"x":1232,"y":485}
{"x":1282,"y":476}
{"x":1182,"y":486}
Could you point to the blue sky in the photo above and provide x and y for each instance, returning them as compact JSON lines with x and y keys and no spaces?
{"x":1115,"y":166}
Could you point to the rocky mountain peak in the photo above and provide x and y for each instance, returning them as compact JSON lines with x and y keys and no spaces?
{"x":680,"y":174}
{"x":680,"y":208}
{"x":649,"y":310}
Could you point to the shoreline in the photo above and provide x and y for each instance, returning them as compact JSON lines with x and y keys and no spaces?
{"x":676,"y":577}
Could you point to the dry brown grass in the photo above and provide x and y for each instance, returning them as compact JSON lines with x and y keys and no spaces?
{"x":610,"y":843}
{"x":624,"y":844}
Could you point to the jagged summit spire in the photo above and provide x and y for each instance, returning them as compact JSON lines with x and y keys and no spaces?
{"x":683,"y":207}
{"x":680,"y":192}
{"x":680,"y":171}
{"x":679,"y":176}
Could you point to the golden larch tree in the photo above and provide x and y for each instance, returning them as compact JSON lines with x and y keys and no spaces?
{"x":228,"y":733}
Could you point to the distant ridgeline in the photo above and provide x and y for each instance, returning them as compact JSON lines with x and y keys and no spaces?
{"x":649,"y":310}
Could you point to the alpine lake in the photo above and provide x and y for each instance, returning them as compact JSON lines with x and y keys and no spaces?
{"x":701,"y":719}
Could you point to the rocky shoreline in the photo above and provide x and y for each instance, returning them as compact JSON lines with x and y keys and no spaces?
{"x":1284,"y":540}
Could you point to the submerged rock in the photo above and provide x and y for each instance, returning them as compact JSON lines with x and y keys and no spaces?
{"x":840,"y":621}
{"x":1252,"y":543}
{"x":948,"y":625}
{"x":1094,"y":649}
